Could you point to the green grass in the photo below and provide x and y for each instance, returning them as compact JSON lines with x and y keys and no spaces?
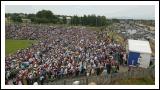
{"x":136,"y":81}
{"x":11,"y":46}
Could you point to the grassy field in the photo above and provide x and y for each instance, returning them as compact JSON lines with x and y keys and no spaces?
{"x":11,"y":46}
{"x":135,"y":81}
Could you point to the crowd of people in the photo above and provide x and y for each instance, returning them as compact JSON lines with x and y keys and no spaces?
{"x":59,"y":53}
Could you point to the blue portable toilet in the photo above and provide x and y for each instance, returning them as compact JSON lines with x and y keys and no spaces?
{"x":139,"y":53}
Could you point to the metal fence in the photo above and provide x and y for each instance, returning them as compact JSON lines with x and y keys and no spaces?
{"x":102,"y":80}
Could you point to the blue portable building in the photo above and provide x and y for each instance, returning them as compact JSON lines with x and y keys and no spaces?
{"x":139,"y":53}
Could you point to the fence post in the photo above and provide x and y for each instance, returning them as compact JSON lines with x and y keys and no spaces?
{"x":111,"y":78}
{"x":86,"y":81}
{"x":64,"y":82}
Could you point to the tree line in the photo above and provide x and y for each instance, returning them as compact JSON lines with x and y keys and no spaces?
{"x":46,"y":16}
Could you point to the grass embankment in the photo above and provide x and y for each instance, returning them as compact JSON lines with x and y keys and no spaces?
{"x":135,"y":81}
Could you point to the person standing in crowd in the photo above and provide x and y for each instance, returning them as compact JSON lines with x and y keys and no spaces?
{"x":124,"y":58}
{"x":42,"y":79}
{"x":108,"y":67}
{"x":117,"y":67}
{"x":24,"y":80}
{"x":121,"y":58}
{"x":104,"y":72}
{"x":98,"y":69}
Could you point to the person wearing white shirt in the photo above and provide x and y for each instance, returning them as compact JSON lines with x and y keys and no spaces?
{"x":35,"y":83}
{"x":139,"y":60}
{"x":19,"y":83}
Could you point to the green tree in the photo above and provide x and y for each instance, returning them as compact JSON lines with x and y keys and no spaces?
{"x":64,"y":20}
{"x":44,"y":16}
{"x":84,"y":20}
{"x":32,"y":17}
{"x":115,"y":20}
{"x":75,"y":20}
{"x":16,"y":18}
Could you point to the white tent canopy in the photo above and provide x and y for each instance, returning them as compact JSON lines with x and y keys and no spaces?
{"x":139,"y":46}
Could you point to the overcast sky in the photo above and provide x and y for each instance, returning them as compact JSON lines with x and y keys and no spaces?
{"x":110,"y":11}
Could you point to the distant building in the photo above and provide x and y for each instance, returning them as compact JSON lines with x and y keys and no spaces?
{"x":22,"y":15}
{"x":68,"y":20}
{"x":26,"y":20}
{"x":122,"y":21}
{"x":131,"y":22}
{"x":131,"y":31}
{"x":60,"y":17}
{"x":68,"y":17}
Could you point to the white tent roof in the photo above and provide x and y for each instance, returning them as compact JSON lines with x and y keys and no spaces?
{"x":139,"y":46}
